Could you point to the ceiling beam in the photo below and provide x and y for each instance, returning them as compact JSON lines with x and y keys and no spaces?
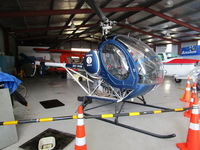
{"x":122,"y":5}
{"x":192,"y":40}
{"x":78,"y":6}
{"x":24,"y":18}
{"x":130,"y":13}
{"x":172,"y":19}
{"x":147,"y":33}
{"x":78,"y":11}
{"x":48,"y":28}
{"x":180,"y":35}
{"x":177,"y":17}
{"x":109,"y":15}
{"x":63,"y":36}
{"x":39,"y":37}
{"x":49,"y":18}
{"x":65,"y":12}
{"x":144,"y":5}
{"x":164,"y":10}
{"x":126,"y":15}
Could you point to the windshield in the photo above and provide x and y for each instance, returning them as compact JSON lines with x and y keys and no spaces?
{"x":115,"y":62}
{"x":148,"y":64}
{"x":161,"y":56}
{"x":171,"y":55}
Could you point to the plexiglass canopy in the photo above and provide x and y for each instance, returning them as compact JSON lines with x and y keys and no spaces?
{"x":148,"y":64}
{"x":115,"y":61}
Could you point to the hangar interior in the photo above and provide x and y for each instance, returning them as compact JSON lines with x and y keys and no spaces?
{"x":47,"y":45}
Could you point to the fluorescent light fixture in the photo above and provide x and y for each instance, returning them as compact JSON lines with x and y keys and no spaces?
{"x":169,"y":3}
{"x":81,"y":49}
{"x":72,"y":24}
{"x":146,"y":50}
{"x":169,"y":48}
{"x":75,"y":57}
{"x":198,"y":42}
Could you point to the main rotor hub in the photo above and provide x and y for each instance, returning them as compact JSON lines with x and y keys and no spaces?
{"x":107,"y":26}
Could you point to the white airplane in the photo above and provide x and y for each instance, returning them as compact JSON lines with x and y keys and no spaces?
{"x":180,"y":67}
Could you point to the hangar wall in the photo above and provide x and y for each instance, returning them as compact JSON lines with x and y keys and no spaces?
{"x":189,"y":44}
{"x":8,"y":52}
{"x":28,"y":50}
{"x":79,"y":44}
{"x":162,"y":48}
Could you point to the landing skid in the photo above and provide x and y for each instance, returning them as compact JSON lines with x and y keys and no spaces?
{"x":86,"y":101}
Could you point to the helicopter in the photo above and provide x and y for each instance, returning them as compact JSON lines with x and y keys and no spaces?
{"x":121,"y":68}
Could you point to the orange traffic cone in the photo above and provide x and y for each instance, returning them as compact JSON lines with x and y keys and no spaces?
{"x":193,"y":97}
{"x":193,"y":136}
{"x":80,"y":131}
{"x":187,"y":95}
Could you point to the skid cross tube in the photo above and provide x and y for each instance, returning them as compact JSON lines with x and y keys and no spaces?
{"x":99,"y":116}
{"x":119,"y":114}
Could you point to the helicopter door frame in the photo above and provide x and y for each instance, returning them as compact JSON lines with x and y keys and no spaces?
{"x":131,"y":81}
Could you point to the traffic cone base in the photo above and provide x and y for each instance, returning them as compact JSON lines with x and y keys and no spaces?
{"x":182,"y":146}
{"x":81,"y":147}
{"x":187,"y":114}
{"x":193,"y":136}
{"x":186,"y":97}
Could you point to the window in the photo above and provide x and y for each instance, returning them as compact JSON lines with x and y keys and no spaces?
{"x":169,"y":48}
{"x":115,"y":62}
{"x":198,"y":42}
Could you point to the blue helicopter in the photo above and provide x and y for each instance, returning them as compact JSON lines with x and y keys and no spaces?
{"x":121,"y":68}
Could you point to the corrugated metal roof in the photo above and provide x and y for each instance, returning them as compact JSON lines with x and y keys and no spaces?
{"x":184,"y":10}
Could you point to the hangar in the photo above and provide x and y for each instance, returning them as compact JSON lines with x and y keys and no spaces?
{"x":132,"y":65}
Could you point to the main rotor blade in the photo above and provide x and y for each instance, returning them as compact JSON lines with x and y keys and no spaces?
{"x":98,"y":11}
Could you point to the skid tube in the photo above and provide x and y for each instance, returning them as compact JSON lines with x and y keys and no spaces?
{"x":86,"y":101}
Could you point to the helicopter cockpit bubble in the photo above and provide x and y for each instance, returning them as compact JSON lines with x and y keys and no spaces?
{"x":149,"y":66}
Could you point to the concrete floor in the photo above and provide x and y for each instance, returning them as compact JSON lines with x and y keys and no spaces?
{"x":101,"y":135}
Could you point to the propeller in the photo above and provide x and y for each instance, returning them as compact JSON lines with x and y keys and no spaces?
{"x":98,"y":11}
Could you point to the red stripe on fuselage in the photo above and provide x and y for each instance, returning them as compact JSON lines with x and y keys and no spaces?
{"x":181,"y":61}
